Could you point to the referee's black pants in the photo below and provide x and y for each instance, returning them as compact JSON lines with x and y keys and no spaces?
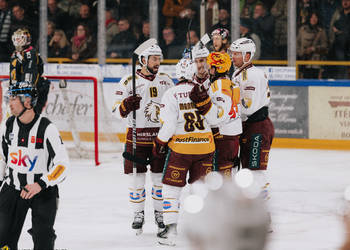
{"x":13,"y":211}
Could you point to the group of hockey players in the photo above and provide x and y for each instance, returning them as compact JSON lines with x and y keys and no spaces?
{"x":209,"y":121}
{"x":33,"y":158}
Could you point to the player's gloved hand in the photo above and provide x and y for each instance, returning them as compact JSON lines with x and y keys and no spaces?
{"x":201,"y":99}
{"x":129,"y":104}
{"x":160,"y":148}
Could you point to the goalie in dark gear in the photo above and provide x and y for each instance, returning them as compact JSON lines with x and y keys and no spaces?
{"x":26,"y":65}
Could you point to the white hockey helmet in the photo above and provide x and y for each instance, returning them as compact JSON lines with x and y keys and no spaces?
{"x":199,"y":52}
{"x":244,"y":45}
{"x":154,"y":50}
{"x":185,"y":69}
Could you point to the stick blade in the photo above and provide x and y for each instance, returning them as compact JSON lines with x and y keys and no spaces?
{"x":205,"y":39}
{"x":145,"y":45}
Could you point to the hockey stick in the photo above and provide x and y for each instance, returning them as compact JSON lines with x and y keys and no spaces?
{"x":130,"y":157}
{"x":136,"y":53}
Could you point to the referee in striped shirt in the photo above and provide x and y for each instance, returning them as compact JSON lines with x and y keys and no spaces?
{"x":33,"y":161}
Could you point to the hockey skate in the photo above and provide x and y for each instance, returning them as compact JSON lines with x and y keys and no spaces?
{"x":158,"y":219}
{"x":139,"y":220}
{"x":168,"y":235}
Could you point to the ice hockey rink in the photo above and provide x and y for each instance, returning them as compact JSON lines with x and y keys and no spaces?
{"x":307,"y":203}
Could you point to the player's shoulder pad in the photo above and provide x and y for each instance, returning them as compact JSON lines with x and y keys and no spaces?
{"x":30,"y":53}
{"x":255,"y":71}
{"x":125,"y":80}
{"x":165,"y":76}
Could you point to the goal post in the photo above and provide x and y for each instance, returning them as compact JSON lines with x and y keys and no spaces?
{"x":84,"y":133}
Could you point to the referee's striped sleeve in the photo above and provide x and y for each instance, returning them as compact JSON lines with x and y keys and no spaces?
{"x":58,"y":162}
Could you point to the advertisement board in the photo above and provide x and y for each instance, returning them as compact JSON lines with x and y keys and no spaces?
{"x":288,"y":111}
{"x":329,"y":116}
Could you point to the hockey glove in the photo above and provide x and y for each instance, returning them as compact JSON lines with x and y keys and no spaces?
{"x":160,"y":148}
{"x":129,"y":104}
{"x":201,"y":99}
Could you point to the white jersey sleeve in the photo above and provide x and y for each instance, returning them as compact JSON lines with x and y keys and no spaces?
{"x":168,"y":116}
{"x":121,"y":92}
{"x":255,"y":92}
{"x":56,"y":151}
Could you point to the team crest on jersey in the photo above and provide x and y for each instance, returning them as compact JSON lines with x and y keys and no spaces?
{"x":152,"y":111}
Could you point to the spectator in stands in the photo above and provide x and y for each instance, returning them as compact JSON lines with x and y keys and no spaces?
{"x":340,"y":37}
{"x":264,"y":27}
{"x":170,"y":48}
{"x":20,"y":20}
{"x":145,"y":32}
{"x":192,"y":38}
{"x":247,"y":8}
{"x":71,"y":7}
{"x":124,"y":42}
{"x":326,"y":10}
{"x":5,"y":28}
{"x":173,"y":9}
{"x":32,"y":9}
{"x":224,"y":21}
{"x":58,"y":45}
{"x":85,"y":17}
{"x":56,"y":15}
{"x":245,"y":31}
{"x":111,"y":26}
{"x":83,"y":45}
{"x":304,"y":9}
{"x":51,"y":27}
{"x":212,"y":14}
{"x":311,"y":45}
{"x":279,"y":11}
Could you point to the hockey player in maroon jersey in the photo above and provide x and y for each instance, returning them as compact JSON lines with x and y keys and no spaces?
{"x":150,"y":87}
{"x":258,"y":130}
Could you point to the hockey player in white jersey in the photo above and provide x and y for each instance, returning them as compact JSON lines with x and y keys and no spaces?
{"x":191,"y":146}
{"x":33,"y":161}
{"x":258,"y":130}
{"x":150,"y":87}
{"x":224,"y":114}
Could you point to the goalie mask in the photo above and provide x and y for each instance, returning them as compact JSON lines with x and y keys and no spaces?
{"x":24,"y":90}
{"x":21,"y":38}
{"x":154,"y":50}
{"x":244,"y":45}
{"x":184,"y":69}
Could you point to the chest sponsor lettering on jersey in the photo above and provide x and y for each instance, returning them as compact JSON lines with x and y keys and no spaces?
{"x":23,"y":160}
{"x":192,"y":140}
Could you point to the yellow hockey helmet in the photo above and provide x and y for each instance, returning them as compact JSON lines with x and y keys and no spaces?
{"x":221,"y":61}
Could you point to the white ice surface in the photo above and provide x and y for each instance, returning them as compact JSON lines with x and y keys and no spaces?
{"x":306,"y":203}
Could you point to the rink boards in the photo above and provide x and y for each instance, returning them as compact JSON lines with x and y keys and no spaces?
{"x":305,"y":113}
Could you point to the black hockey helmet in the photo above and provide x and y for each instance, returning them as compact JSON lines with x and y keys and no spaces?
{"x":23,"y":90}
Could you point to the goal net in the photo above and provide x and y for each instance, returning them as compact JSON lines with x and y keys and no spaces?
{"x":78,"y":107}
